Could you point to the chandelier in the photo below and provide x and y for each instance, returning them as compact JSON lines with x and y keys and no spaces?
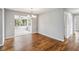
{"x":31,"y":15}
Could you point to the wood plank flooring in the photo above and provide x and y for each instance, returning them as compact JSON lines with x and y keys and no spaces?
{"x":73,"y":42}
{"x":33,"y":42}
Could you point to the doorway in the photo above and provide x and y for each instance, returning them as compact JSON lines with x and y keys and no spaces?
{"x":76,"y":27}
{"x":23,"y":25}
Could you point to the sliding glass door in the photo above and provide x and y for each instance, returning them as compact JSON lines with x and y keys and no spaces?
{"x":23,"y":25}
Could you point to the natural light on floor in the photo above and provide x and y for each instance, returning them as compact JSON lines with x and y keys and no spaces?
{"x":21,"y":30}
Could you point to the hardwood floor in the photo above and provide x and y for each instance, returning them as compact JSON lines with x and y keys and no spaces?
{"x":73,"y":42}
{"x":33,"y":42}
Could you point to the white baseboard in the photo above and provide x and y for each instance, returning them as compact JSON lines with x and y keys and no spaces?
{"x":34,"y":32}
{"x":53,"y":37}
{"x":9,"y":37}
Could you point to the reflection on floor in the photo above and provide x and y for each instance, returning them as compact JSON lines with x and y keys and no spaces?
{"x":73,"y":42}
{"x":33,"y":42}
{"x":22,"y":30}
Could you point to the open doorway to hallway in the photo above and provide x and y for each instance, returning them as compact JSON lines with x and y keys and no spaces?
{"x":76,"y":27}
{"x":72,"y":28}
{"x":23,"y":25}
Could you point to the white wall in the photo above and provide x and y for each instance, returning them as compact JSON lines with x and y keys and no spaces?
{"x":35,"y":25}
{"x":52,"y":24}
{"x":10,"y":23}
{"x":68,"y":17}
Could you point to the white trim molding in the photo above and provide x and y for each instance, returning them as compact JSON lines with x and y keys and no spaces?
{"x":9,"y":37}
{"x":2,"y":27}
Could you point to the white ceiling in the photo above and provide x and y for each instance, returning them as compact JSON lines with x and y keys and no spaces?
{"x":33,"y":10}
{"x":73,"y":10}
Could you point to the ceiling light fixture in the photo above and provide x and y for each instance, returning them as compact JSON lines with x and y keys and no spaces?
{"x":31,"y":15}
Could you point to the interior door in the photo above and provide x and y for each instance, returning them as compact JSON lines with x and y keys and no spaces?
{"x":76,"y":23}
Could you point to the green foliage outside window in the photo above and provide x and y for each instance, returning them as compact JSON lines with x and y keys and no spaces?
{"x":19,"y":22}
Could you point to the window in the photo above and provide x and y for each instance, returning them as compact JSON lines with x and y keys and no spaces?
{"x":20,"y":20}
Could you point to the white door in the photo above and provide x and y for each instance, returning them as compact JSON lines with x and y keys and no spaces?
{"x":76,"y":23}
